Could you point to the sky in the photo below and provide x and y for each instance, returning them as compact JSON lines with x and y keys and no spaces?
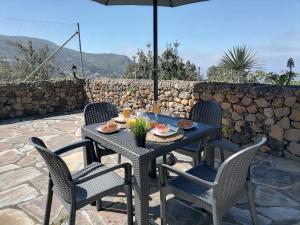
{"x":205,"y":30}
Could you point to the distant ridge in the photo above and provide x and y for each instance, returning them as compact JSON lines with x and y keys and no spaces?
{"x":94,"y":64}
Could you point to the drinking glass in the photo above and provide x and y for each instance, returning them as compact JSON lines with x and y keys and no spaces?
{"x":156,"y":109}
{"x":126,"y":111}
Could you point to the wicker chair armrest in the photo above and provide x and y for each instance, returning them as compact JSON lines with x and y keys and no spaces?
{"x":82,"y":143}
{"x":125,"y":166}
{"x":164,"y":180}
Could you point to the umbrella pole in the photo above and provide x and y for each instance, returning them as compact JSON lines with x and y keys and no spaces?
{"x":155,"y":51}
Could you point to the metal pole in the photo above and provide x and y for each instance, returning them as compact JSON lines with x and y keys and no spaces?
{"x":155,"y":51}
{"x":79,"y":39}
{"x":50,"y":56}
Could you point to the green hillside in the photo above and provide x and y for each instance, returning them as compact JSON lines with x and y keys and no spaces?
{"x":94,"y":64}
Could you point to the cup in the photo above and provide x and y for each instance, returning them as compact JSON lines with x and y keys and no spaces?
{"x":126,"y":112}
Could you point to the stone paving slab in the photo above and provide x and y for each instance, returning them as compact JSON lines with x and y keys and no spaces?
{"x":16,"y":177}
{"x":24,"y":178}
{"x":17,"y":195}
{"x":11,"y":216}
{"x":36,"y":208}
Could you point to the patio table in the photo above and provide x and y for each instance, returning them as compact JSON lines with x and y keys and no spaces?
{"x":123,"y":142}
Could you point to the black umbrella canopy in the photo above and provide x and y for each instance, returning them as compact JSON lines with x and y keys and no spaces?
{"x":154,"y":3}
{"x":168,"y":3}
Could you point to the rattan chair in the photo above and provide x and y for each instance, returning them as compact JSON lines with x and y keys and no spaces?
{"x":98,"y":112}
{"x":208,"y":112}
{"x":215,"y":191}
{"x":85,"y":186}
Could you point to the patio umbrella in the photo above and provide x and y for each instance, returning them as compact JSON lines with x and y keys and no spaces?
{"x":155,"y":4}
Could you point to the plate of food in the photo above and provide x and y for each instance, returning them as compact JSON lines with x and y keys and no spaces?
{"x":186,"y":124}
{"x":119,"y":119}
{"x":108,"y":128}
{"x":164,"y":130}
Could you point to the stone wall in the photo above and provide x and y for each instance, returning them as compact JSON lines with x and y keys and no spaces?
{"x":42,"y":97}
{"x":175,"y":97}
{"x":273,"y":110}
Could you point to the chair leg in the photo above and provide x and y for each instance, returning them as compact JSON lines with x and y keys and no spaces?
{"x":194,"y":161}
{"x":164,"y":158}
{"x":129,"y":205}
{"x":119,"y":158}
{"x":251,"y":204}
{"x":49,"y":203}
{"x":163,"y":203}
{"x":72,"y":215}
{"x":198,"y":157}
{"x":99,"y":205}
{"x":216,"y":216}
{"x":222,"y":155}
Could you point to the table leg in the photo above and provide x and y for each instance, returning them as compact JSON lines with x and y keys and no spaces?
{"x":152,"y":172}
{"x":141,"y":192}
{"x":89,"y":155}
{"x":210,"y":155}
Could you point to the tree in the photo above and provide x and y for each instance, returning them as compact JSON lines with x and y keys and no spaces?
{"x":142,"y":65}
{"x":221,"y":74}
{"x":218,"y":74}
{"x":6,"y":71}
{"x":240,"y":61}
{"x":170,"y":65}
{"x":29,"y":60}
{"x":290,"y":64}
{"x":260,"y":76}
{"x":191,"y":72}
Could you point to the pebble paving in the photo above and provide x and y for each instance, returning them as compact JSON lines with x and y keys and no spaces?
{"x":23,"y":183}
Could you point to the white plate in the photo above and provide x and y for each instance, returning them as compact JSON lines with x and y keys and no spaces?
{"x":108,"y":132}
{"x":173,"y":130}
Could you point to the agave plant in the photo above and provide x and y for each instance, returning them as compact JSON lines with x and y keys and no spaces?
{"x":240,"y":59}
{"x":278,"y":79}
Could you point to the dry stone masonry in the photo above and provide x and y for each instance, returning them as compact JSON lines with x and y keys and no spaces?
{"x":17,"y":100}
{"x":266,"y":109}
{"x":273,"y":110}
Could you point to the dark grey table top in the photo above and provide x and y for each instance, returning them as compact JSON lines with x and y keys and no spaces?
{"x":123,"y":141}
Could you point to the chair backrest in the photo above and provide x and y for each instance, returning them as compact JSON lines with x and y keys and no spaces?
{"x":58,"y":170}
{"x":98,"y":112}
{"x":209,"y":112}
{"x":232,"y":174}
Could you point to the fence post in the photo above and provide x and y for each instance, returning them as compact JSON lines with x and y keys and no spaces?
{"x":79,"y":39}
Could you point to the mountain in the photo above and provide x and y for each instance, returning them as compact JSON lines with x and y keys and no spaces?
{"x":94,"y":64}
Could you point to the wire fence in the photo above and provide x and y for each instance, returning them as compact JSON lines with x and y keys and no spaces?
{"x":39,"y":50}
